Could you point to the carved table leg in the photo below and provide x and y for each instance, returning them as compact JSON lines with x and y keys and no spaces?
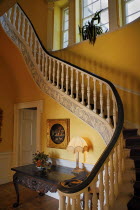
{"x":15,"y":181}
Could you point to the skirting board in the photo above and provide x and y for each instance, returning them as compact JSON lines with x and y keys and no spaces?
{"x":5,"y":167}
{"x":67,"y":163}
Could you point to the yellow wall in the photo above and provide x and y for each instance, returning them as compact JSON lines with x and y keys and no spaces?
{"x":16,"y":85}
{"x":36,"y":10}
{"x":114,"y":56}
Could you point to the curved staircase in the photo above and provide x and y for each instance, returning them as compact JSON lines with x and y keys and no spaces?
{"x":91,"y":98}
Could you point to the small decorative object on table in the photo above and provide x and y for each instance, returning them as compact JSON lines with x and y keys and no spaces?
{"x":40,"y":159}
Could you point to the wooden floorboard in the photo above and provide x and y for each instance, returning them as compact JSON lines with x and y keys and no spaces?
{"x":29,"y":200}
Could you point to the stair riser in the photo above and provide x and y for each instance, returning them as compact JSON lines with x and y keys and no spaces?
{"x":133,"y":143}
{"x":135,"y":152}
{"x":137,"y":192}
{"x":127,"y":133}
{"x":137,"y":164}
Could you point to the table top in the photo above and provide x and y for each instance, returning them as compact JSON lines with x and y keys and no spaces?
{"x":55,"y":174}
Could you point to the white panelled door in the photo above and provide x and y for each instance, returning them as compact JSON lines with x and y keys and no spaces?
{"x":27,"y":135}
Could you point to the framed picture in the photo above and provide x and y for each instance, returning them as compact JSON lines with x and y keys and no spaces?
{"x":58,"y":133}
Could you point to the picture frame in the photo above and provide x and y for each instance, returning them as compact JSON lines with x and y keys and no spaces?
{"x":58,"y":133}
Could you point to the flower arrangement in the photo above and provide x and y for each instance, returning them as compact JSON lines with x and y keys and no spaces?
{"x":40,"y":159}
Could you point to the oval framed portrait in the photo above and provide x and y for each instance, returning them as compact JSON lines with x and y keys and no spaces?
{"x":58,"y":133}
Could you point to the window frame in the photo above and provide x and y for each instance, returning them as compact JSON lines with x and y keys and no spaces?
{"x":90,"y":16}
{"x":124,"y":3}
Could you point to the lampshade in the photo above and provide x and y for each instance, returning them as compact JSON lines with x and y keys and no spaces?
{"x":77,"y":144}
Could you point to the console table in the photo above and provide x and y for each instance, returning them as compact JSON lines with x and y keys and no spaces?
{"x":40,"y":181}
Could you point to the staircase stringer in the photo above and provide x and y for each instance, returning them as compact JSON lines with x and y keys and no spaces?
{"x":82,"y":112}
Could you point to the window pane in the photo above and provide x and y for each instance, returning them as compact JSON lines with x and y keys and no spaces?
{"x":104,"y":4}
{"x":132,"y":7}
{"x":104,"y":17}
{"x":65,"y":36}
{"x":65,"y":44}
{"x":132,"y":17}
{"x":87,"y":2}
{"x":66,"y":25}
{"x":105,"y":27}
{"x":85,"y":21}
{"x":96,"y":6}
{"x":88,"y":11}
{"x":66,"y":15}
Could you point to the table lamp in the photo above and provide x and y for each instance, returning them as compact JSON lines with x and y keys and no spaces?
{"x":76,"y":145}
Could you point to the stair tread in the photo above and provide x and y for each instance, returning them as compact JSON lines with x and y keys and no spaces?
{"x":137,"y":184}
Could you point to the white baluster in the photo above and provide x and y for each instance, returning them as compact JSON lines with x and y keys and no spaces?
{"x":71,"y":82}
{"x":95,"y":96}
{"x":73,"y":204}
{"x":27,"y":33}
{"x":68,"y":204}
{"x":88,"y":92}
{"x":19,"y":21}
{"x":108,"y":105}
{"x":54,"y":62}
{"x":62,"y":77}
{"x":119,"y":162}
{"x":78,"y":206}
{"x":101,"y":191}
{"x":77,"y":85}
{"x":50,"y":64}
{"x":46,"y":67}
{"x":62,"y":202}
{"x":67,"y":79}
{"x":111,"y":181}
{"x":101,"y":99}
{"x":106,"y":186}
{"x":9,"y":14}
{"x":23,"y":26}
{"x":82,"y":89}
{"x":114,"y":111}
{"x":58,"y":74}
{"x":15,"y":15}
{"x":94,"y":196}
{"x":116,"y":171}
{"x":86,"y":195}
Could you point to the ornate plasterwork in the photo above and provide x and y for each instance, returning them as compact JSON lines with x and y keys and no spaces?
{"x":88,"y":116}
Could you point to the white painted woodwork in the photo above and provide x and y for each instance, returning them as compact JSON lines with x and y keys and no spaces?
{"x":17,"y":108}
{"x":77,"y":85}
{"x":82,"y":89}
{"x":58,"y":73}
{"x":67,"y":79}
{"x":101,"y":190}
{"x":27,"y":136}
{"x":94,"y":96}
{"x":72,"y":81}
{"x":101,"y":99}
{"x":88,"y":91}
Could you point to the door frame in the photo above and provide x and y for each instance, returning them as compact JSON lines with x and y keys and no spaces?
{"x":17,"y":107}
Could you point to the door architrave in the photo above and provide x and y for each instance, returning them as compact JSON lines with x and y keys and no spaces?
{"x":17,"y":107}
